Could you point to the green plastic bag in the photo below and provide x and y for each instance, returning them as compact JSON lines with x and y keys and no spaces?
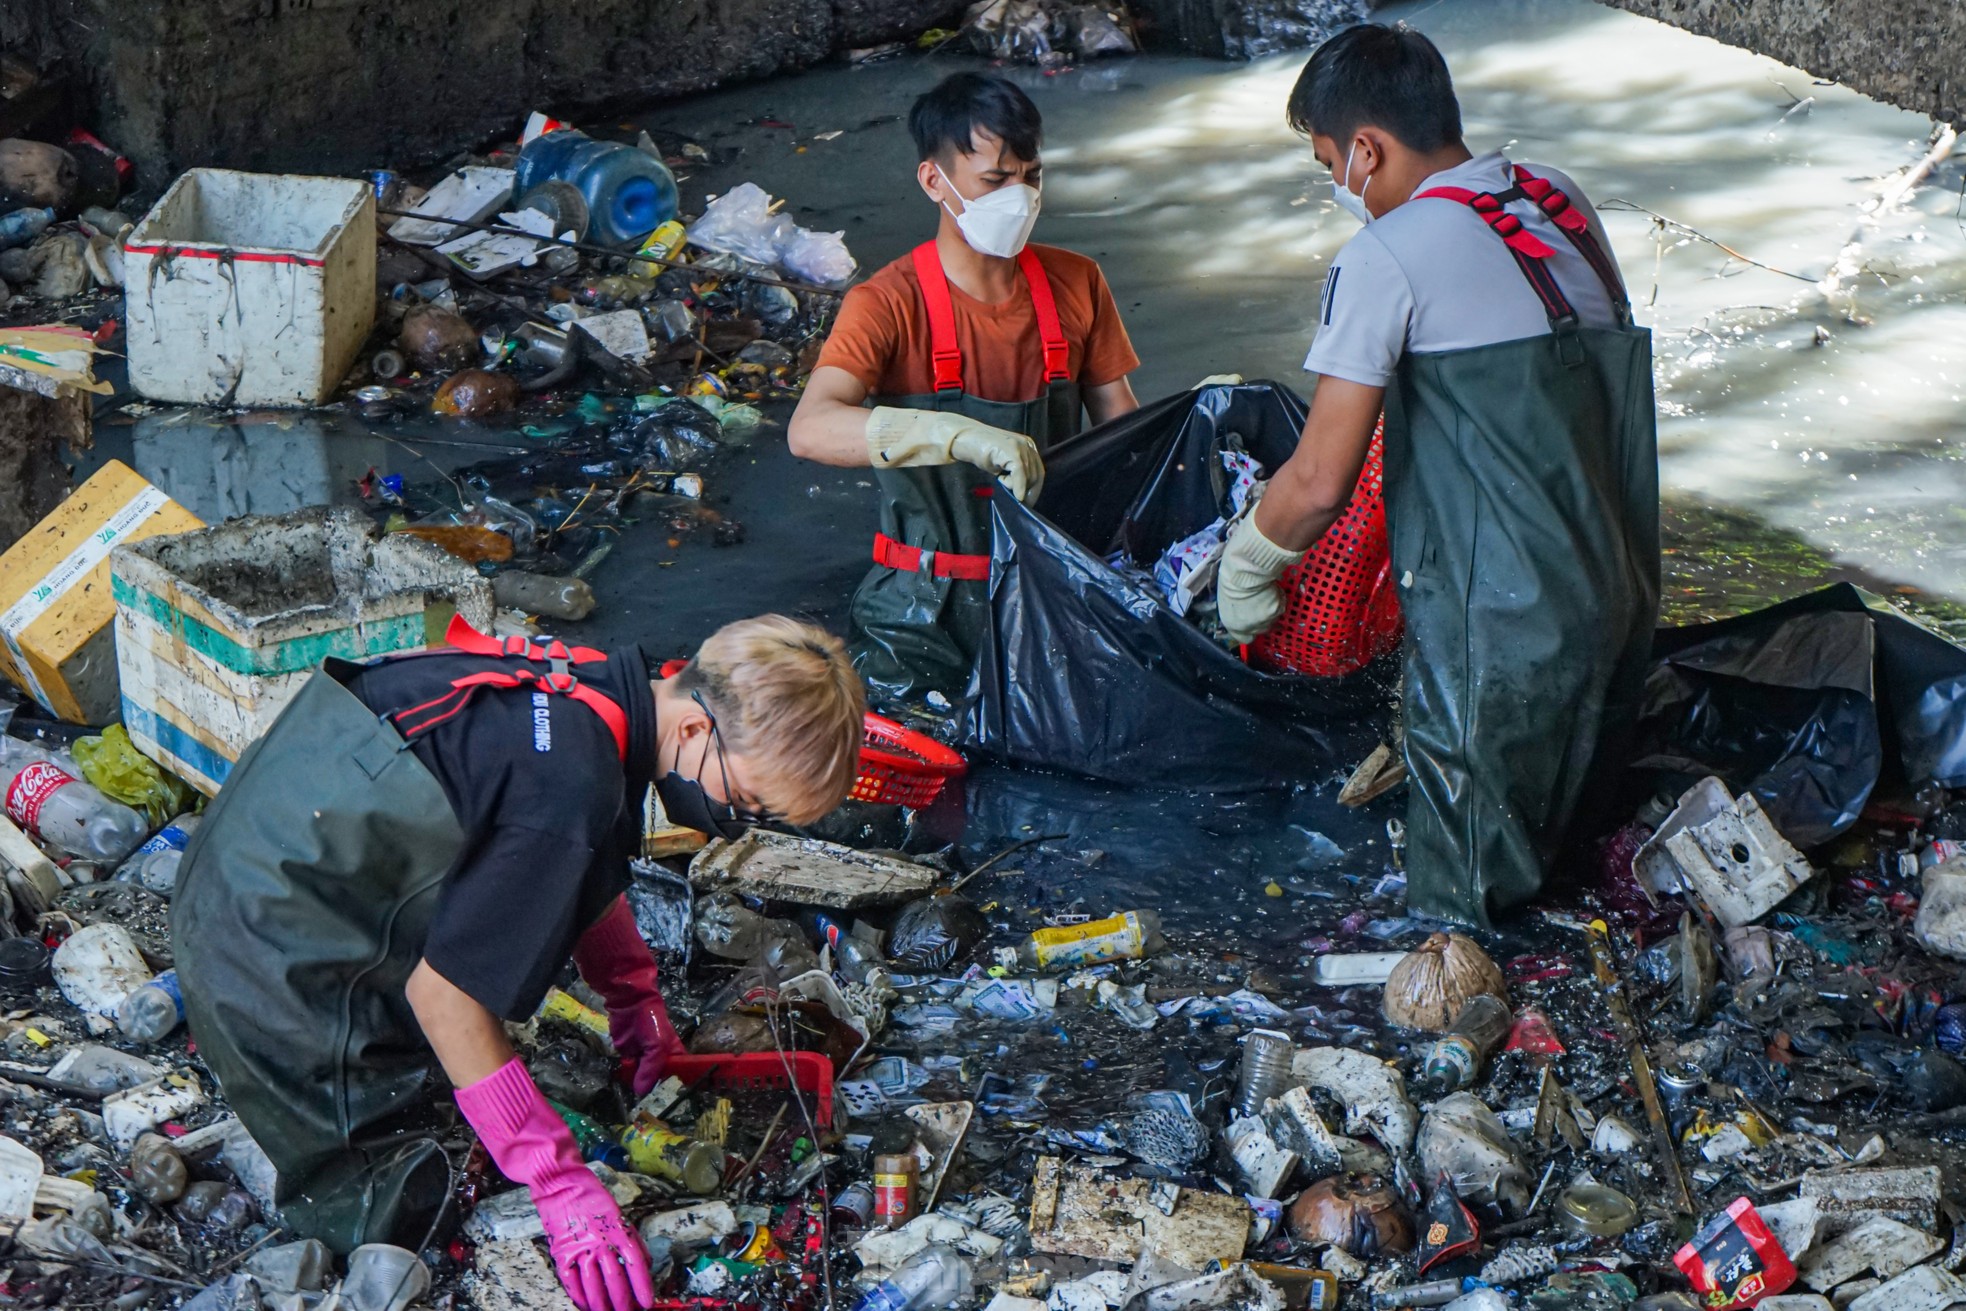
{"x":117,"y":769}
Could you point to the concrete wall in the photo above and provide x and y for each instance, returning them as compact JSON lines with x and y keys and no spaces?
{"x":346,"y":85}
{"x":1910,"y":53}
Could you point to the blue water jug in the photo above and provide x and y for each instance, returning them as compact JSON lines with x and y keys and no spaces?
{"x":629,"y":192}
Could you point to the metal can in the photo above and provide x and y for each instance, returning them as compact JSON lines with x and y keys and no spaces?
{"x":1679,"y":1082}
{"x":853,"y":1206}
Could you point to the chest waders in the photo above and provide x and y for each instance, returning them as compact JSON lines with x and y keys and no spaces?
{"x":303,"y":904}
{"x":919,"y":616}
{"x":1522,"y":492}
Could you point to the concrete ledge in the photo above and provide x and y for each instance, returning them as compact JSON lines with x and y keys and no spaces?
{"x":1909,"y":53}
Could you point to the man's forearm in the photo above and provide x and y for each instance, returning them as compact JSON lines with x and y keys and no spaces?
{"x":469,"y":1040}
{"x":829,"y":432}
{"x":1294,"y":513}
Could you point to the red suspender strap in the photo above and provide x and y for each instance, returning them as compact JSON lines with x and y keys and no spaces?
{"x":1528,"y":249}
{"x":556,"y":678}
{"x":1557,"y":205}
{"x":944,"y":355}
{"x":941,"y":564}
{"x":1050,"y":333}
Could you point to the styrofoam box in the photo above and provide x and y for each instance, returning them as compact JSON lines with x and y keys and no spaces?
{"x":250,"y":288}
{"x":217,"y":629}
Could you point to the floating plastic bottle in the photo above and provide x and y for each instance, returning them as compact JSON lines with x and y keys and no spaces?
{"x":934,"y":1277}
{"x":728,"y":928}
{"x":1127,"y":936}
{"x":629,"y":192}
{"x":542,"y":594}
{"x":153,"y":865}
{"x":152,"y":1011}
{"x":1454,"y":1060}
{"x":156,"y":1170}
{"x":46,"y":795}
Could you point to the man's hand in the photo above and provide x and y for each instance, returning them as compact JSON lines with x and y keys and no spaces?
{"x":1246,"y":594}
{"x":904,"y":439}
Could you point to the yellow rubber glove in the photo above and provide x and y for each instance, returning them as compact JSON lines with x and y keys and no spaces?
{"x":904,"y":439}
{"x":1219,"y":380}
{"x":1246,"y":594}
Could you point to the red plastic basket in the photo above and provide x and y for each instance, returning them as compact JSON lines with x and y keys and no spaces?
{"x":761,"y":1072}
{"x":900,"y":767}
{"x":1341,"y":610}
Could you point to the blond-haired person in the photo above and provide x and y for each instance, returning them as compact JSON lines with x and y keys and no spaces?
{"x":409,"y":857}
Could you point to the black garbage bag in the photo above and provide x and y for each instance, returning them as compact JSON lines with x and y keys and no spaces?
{"x":1088,"y":670}
{"x":1806,"y":704}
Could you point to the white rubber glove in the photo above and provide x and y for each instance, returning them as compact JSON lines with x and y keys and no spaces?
{"x":903,"y":439}
{"x":1219,"y":380}
{"x":1246,"y":594}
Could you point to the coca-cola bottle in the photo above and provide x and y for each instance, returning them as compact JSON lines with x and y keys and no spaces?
{"x":45,"y":793}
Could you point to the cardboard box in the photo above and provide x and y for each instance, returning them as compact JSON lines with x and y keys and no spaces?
{"x":57,"y":617}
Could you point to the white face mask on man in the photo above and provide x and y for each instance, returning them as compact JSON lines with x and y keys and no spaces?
{"x":1352,"y":202}
{"x":997,"y":222}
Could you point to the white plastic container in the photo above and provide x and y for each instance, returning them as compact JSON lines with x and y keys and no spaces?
{"x":250,"y":288}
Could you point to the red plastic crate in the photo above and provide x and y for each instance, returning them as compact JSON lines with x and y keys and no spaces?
{"x":900,"y":767}
{"x":1341,"y":609}
{"x":760,"y":1071}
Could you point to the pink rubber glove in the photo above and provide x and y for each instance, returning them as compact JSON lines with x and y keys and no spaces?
{"x":617,"y":964}
{"x":601,"y":1261}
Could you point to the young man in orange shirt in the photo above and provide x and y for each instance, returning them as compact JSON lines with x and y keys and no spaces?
{"x":956,"y":367}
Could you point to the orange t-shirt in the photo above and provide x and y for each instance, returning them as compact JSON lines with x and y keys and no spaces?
{"x":881,"y":335}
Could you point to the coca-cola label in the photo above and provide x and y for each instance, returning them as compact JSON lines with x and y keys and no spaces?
{"x":30,"y":791}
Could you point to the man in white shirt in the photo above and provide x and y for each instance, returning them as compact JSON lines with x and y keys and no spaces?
{"x":1480,"y":308}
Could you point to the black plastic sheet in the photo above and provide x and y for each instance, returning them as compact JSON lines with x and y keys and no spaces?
{"x":1807,"y":704}
{"x":1088,"y":670}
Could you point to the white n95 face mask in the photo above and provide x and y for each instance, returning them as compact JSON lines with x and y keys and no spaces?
{"x":997,"y":222}
{"x":1352,"y":202}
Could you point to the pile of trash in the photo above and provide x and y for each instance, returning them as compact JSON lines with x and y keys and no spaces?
{"x":1049,"y":33}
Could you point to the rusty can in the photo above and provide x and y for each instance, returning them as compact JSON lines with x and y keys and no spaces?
{"x":895,"y":1180}
{"x":854,"y":1206}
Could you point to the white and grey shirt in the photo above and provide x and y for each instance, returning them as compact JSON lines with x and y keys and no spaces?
{"x":1432,"y":276}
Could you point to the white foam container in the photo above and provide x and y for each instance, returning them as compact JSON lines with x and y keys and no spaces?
{"x":250,"y":288}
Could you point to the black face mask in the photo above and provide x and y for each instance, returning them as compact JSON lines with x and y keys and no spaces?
{"x":686,"y":802}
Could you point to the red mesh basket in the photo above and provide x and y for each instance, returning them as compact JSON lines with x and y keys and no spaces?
{"x":900,"y":767}
{"x":758,"y":1071}
{"x":1341,"y":610}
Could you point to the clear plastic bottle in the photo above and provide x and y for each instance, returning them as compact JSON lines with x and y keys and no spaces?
{"x":542,"y":594}
{"x":23,"y":226}
{"x":934,"y":1277}
{"x":728,"y":928}
{"x":1126,"y":936}
{"x":154,"y":864}
{"x":152,"y":1011}
{"x":46,"y":794}
{"x":156,"y":1170}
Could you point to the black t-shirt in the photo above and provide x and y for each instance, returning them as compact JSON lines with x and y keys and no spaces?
{"x":550,"y":813}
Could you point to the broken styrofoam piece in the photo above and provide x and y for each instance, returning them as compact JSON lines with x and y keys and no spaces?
{"x":690,"y":1226}
{"x":1879,"y":1246}
{"x":1008,"y":1302}
{"x":1296,"y":1126}
{"x":1237,"y":1287}
{"x":1371,"y":1091}
{"x":20,"y":1177}
{"x":1093,"y":1292}
{"x":470,"y":195}
{"x":1725,"y":852}
{"x":133,"y":1112}
{"x":884,"y":1250}
{"x":1265,"y":1167}
{"x":780,"y":867}
{"x":1907,"y":1194}
{"x":511,"y":1274}
{"x":1795,"y":1302}
{"x":1795,"y":1223}
{"x":1941,"y":923}
{"x":1925,"y":1288}
{"x":511,"y":1217}
{"x":1078,"y":1210}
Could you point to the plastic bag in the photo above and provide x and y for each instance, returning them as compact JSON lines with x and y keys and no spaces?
{"x":1089,"y":669}
{"x":935,"y":932}
{"x":740,"y":222}
{"x":117,"y":769}
{"x":1805,"y":704}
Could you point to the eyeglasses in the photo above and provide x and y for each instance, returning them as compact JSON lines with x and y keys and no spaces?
{"x":737,"y":814}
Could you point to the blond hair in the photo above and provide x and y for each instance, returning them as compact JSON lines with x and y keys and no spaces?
{"x":787,"y":699}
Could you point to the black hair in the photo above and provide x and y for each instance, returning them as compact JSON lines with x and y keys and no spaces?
{"x":947,"y":116}
{"x":1371,"y":75}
